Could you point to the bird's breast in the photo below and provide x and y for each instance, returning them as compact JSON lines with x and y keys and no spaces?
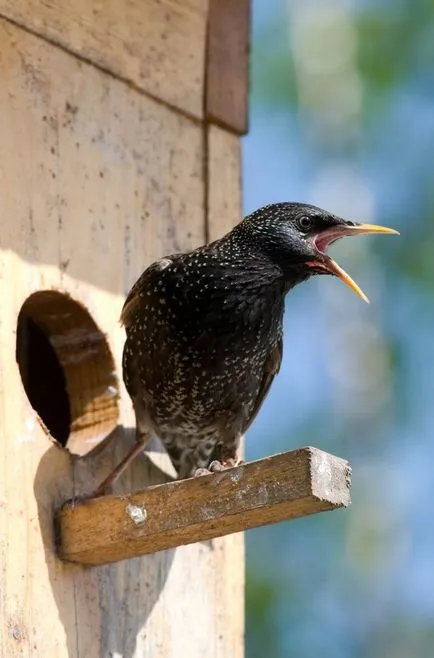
{"x":198,"y":347}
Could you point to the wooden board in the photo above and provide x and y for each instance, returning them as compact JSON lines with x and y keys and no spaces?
{"x":158,"y":45}
{"x":224,"y":181}
{"x":278,"y":488}
{"x":98,"y":171}
{"x":97,"y":180}
{"x":227,"y":65}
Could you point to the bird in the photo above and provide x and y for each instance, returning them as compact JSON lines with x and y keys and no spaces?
{"x":204,"y":332}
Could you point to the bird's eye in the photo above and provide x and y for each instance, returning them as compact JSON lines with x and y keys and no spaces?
{"x":304,"y":223}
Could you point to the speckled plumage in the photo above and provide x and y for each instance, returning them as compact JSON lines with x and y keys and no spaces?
{"x":204,"y":330}
{"x":204,"y":342}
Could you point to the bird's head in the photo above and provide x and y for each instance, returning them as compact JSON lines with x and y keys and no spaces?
{"x":295,"y":236}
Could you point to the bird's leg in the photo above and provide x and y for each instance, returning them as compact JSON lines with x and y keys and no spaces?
{"x":142,"y":437}
{"x":137,"y":448}
{"x":111,"y":478}
{"x":227,"y":459}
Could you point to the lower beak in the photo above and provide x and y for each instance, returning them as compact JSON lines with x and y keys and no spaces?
{"x":326,"y":238}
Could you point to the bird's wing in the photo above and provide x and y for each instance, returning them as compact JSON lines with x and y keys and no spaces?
{"x":131,"y":304}
{"x":271,"y":369}
{"x":148,"y":278}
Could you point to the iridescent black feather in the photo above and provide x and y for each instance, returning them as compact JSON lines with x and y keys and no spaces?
{"x":204,"y":334}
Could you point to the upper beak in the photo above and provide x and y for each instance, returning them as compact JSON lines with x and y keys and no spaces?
{"x":325,"y":238}
{"x":359,"y":229}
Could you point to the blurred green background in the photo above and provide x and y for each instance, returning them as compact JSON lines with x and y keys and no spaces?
{"x":342,"y":116}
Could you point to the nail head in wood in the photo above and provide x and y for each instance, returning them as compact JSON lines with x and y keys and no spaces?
{"x":285,"y":486}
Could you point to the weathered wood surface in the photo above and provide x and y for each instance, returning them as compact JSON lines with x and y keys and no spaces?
{"x":97,"y":181}
{"x":286,"y":486}
{"x":158,"y":45}
{"x":227,"y":65}
{"x":224,"y":181}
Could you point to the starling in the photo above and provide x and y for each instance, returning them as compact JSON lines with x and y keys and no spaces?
{"x":204,"y":331}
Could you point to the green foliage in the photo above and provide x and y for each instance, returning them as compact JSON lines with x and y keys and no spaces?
{"x":395,"y":42}
{"x":262,"y":631}
{"x":272,"y":70}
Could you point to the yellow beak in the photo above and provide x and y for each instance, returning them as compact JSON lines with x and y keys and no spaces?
{"x":359,"y":229}
{"x":325,"y":238}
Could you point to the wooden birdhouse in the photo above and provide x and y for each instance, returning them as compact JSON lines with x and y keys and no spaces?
{"x":119,"y":143}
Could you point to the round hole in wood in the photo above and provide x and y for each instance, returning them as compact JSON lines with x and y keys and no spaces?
{"x":67,"y":370}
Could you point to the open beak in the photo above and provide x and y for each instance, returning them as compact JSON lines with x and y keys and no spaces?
{"x":322,"y":240}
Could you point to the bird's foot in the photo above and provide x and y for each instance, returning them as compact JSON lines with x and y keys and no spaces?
{"x":217,"y":467}
{"x":201,"y":471}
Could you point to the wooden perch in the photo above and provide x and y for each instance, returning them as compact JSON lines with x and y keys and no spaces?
{"x":285,"y":486}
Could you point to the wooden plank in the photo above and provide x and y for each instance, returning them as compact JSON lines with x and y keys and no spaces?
{"x":227,"y":65}
{"x":158,"y":45}
{"x":286,"y":486}
{"x":224,"y":181}
{"x":97,"y":181}
{"x":117,"y":193}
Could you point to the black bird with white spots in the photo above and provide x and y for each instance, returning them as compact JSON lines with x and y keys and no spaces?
{"x":205,"y":331}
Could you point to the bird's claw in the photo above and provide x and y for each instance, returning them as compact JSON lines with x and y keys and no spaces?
{"x":218,"y":467}
{"x":201,"y":471}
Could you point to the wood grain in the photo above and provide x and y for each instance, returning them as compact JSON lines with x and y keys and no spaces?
{"x":227,"y":65}
{"x":285,"y":486}
{"x":102,"y":180}
{"x":224,"y":181}
{"x":158,"y":45}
